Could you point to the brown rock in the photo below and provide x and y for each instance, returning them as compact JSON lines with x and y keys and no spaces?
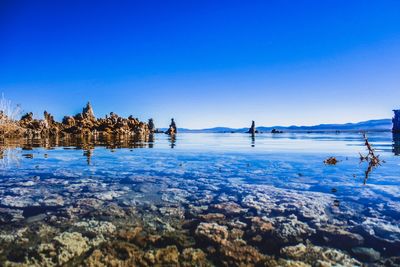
{"x":212,"y":217}
{"x":340,"y":237}
{"x":212,"y":232}
{"x":88,"y":113}
{"x":260,"y":225}
{"x":172,"y":128}
{"x":85,"y":124}
{"x":237,"y":253}
{"x":318,"y":256}
{"x":229,"y":207}
{"x":167,"y":256}
{"x":129,"y":234}
{"x":193,"y":257}
{"x":331,"y":161}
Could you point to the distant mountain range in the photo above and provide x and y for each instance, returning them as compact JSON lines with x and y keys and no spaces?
{"x":371,"y":125}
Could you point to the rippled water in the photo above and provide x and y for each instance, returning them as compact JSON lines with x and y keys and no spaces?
{"x":173,"y":183}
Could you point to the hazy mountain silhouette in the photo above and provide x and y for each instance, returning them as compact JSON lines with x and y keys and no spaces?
{"x":371,"y":125}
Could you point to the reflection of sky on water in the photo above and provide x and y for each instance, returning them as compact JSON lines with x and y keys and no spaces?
{"x":282,"y":158}
{"x":285,"y":160}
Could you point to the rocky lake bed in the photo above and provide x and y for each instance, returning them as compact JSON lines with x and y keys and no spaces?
{"x":199,"y":200}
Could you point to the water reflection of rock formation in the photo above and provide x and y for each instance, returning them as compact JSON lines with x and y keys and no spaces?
{"x":88,"y":154}
{"x":8,"y":156}
{"x":151,"y":141}
{"x":396,"y":144}
{"x":81,"y":142}
{"x":9,"y":153}
{"x":172,"y":140}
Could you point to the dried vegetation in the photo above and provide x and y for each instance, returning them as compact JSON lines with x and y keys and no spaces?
{"x":372,"y":159}
{"x":9,"y":113}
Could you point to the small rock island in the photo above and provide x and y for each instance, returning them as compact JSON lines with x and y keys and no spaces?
{"x":172,"y":128}
{"x":252,"y":129}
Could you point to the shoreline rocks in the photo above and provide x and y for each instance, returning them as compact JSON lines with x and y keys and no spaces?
{"x":85,"y":124}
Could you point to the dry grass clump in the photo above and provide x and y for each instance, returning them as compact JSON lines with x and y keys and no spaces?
{"x":9,"y":115}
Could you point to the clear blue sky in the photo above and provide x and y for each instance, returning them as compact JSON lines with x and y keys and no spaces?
{"x":205,"y":63}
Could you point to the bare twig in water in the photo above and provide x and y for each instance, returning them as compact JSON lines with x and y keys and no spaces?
{"x":372,"y":159}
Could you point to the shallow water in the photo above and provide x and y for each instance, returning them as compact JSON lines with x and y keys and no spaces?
{"x":167,"y":187}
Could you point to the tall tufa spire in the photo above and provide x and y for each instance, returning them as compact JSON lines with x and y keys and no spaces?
{"x":152,"y":127}
{"x":172,"y":128}
{"x":252,"y":129}
{"x":87,"y":112}
{"x":396,"y":121}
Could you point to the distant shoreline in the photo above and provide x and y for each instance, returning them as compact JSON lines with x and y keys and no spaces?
{"x":382,"y":125}
{"x":285,"y":132}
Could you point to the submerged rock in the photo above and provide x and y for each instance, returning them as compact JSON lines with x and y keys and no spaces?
{"x":381,"y":229}
{"x":366,"y":254}
{"x":71,"y":245}
{"x":229,"y":208}
{"x":167,"y":256}
{"x":339,"y":237}
{"x":212,"y":217}
{"x":212,"y":232}
{"x":238,"y":253}
{"x":260,"y":225}
{"x":117,"y":254}
{"x":391,"y":262}
{"x":97,"y":227}
{"x":289,"y":229}
{"x":318,"y":256}
{"x":227,"y":246}
{"x":193,"y":257}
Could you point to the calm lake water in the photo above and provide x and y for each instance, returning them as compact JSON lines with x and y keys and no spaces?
{"x":273,"y":192}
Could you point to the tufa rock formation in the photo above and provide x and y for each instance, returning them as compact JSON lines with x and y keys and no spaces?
{"x":274,"y":131}
{"x":172,"y":128}
{"x":85,"y":123}
{"x":88,"y":113}
{"x":152,"y":127}
{"x":252,"y":129}
{"x":396,"y":121}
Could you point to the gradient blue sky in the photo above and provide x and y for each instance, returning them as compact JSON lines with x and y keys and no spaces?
{"x":206,"y":63}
